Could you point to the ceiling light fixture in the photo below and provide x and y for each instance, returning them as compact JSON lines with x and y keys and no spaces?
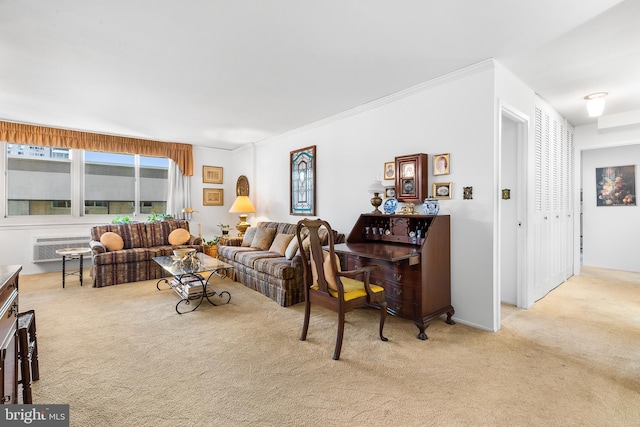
{"x":595,"y":103}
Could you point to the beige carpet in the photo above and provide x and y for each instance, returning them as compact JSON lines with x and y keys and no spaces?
{"x":121,"y":356}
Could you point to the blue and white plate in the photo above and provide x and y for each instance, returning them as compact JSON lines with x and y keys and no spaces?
{"x":390,"y":205}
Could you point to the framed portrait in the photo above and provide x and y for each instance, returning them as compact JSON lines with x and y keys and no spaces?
{"x":616,"y":186}
{"x":442,"y":190}
{"x":408,"y":170}
{"x":389,"y":192}
{"x":390,"y":170}
{"x":441,"y":164}
{"x":212,"y":174}
{"x":302,"y":181}
{"x":408,"y":185}
{"x":212,"y":196}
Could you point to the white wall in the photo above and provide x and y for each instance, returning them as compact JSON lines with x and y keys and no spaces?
{"x":211,"y":216}
{"x":452,"y":115}
{"x":611,"y":235}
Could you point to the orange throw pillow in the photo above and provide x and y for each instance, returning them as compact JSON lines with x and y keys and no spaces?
{"x":179,"y":236}
{"x":112,"y":241}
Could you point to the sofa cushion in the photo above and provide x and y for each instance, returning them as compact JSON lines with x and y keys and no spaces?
{"x":248,"y":258}
{"x":277,"y":267}
{"x":133,"y":233}
{"x":112,"y":241}
{"x":280,"y":243}
{"x":136,"y":255}
{"x":229,"y":252}
{"x":248,"y":236}
{"x":263,"y":238}
{"x":158,"y":232}
{"x":179,"y":236}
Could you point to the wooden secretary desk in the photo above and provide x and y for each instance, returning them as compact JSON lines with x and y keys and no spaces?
{"x":413,"y":253}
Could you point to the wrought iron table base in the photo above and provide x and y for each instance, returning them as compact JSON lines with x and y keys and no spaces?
{"x":187,"y":299}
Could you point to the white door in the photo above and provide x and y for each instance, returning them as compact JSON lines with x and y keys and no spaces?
{"x":553,"y":222}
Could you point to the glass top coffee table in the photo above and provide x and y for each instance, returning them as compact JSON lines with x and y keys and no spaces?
{"x":189,"y":280}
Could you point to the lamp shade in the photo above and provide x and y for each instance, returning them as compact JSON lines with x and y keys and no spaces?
{"x":376,"y":187}
{"x":242,"y":204}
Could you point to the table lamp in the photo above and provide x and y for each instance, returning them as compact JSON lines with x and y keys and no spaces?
{"x":190,"y":211}
{"x":242,"y":205}
{"x":376,"y":188}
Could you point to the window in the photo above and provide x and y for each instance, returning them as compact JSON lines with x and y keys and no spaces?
{"x":110,"y":183}
{"x":47,"y":181}
{"x":154,"y":180}
{"x":110,"y":178}
{"x":38,"y":182}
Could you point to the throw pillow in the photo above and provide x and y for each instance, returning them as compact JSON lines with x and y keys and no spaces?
{"x":248,"y":236}
{"x":280,"y":243}
{"x":112,"y":241}
{"x":292,"y":249}
{"x":263,"y":238}
{"x":179,"y":236}
{"x":326,"y":267}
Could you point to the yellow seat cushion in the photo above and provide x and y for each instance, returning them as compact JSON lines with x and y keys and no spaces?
{"x":353,"y":289}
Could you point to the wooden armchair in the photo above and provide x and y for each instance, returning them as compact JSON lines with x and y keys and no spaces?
{"x":331,"y":288}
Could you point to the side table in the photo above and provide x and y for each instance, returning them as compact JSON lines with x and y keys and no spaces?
{"x":72,"y":253}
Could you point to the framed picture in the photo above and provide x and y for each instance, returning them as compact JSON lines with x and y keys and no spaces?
{"x":616,"y":186}
{"x":302,"y":181}
{"x":441,"y":164}
{"x":389,"y":192}
{"x":212,"y":174}
{"x":390,"y":170}
{"x":442,"y":190}
{"x":212,"y":196}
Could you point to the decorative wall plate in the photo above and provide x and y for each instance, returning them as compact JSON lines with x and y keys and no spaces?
{"x":390,"y":205}
{"x":242,"y":186}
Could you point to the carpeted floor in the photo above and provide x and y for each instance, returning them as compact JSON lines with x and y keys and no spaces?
{"x":121,"y":356}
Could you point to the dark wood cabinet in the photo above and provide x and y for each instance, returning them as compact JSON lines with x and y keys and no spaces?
{"x":411,"y":178}
{"x":413,"y":253}
{"x":9,"y":333}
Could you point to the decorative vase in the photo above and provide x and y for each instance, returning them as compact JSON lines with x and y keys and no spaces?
{"x":431,"y":206}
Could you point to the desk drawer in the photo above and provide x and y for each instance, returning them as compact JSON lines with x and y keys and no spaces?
{"x":402,"y":308}
{"x":398,"y":272}
{"x":8,"y":313}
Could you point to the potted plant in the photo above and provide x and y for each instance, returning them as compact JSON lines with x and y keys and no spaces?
{"x":121,"y":220}
{"x":154,"y":217}
{"x":210,"y":247}
{"x":224,"y":228}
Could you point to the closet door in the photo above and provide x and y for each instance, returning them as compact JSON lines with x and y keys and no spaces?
{"x":541,"y":223}
{"x":553,"y":222}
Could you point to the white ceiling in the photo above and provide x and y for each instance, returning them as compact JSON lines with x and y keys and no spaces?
{"x":221,"y":73}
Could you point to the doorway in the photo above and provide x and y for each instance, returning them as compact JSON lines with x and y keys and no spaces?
{"x":511,"y":211}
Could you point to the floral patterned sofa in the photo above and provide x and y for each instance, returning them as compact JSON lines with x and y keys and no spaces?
{"x":141,"y":241}
{"x":269,"y":266}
